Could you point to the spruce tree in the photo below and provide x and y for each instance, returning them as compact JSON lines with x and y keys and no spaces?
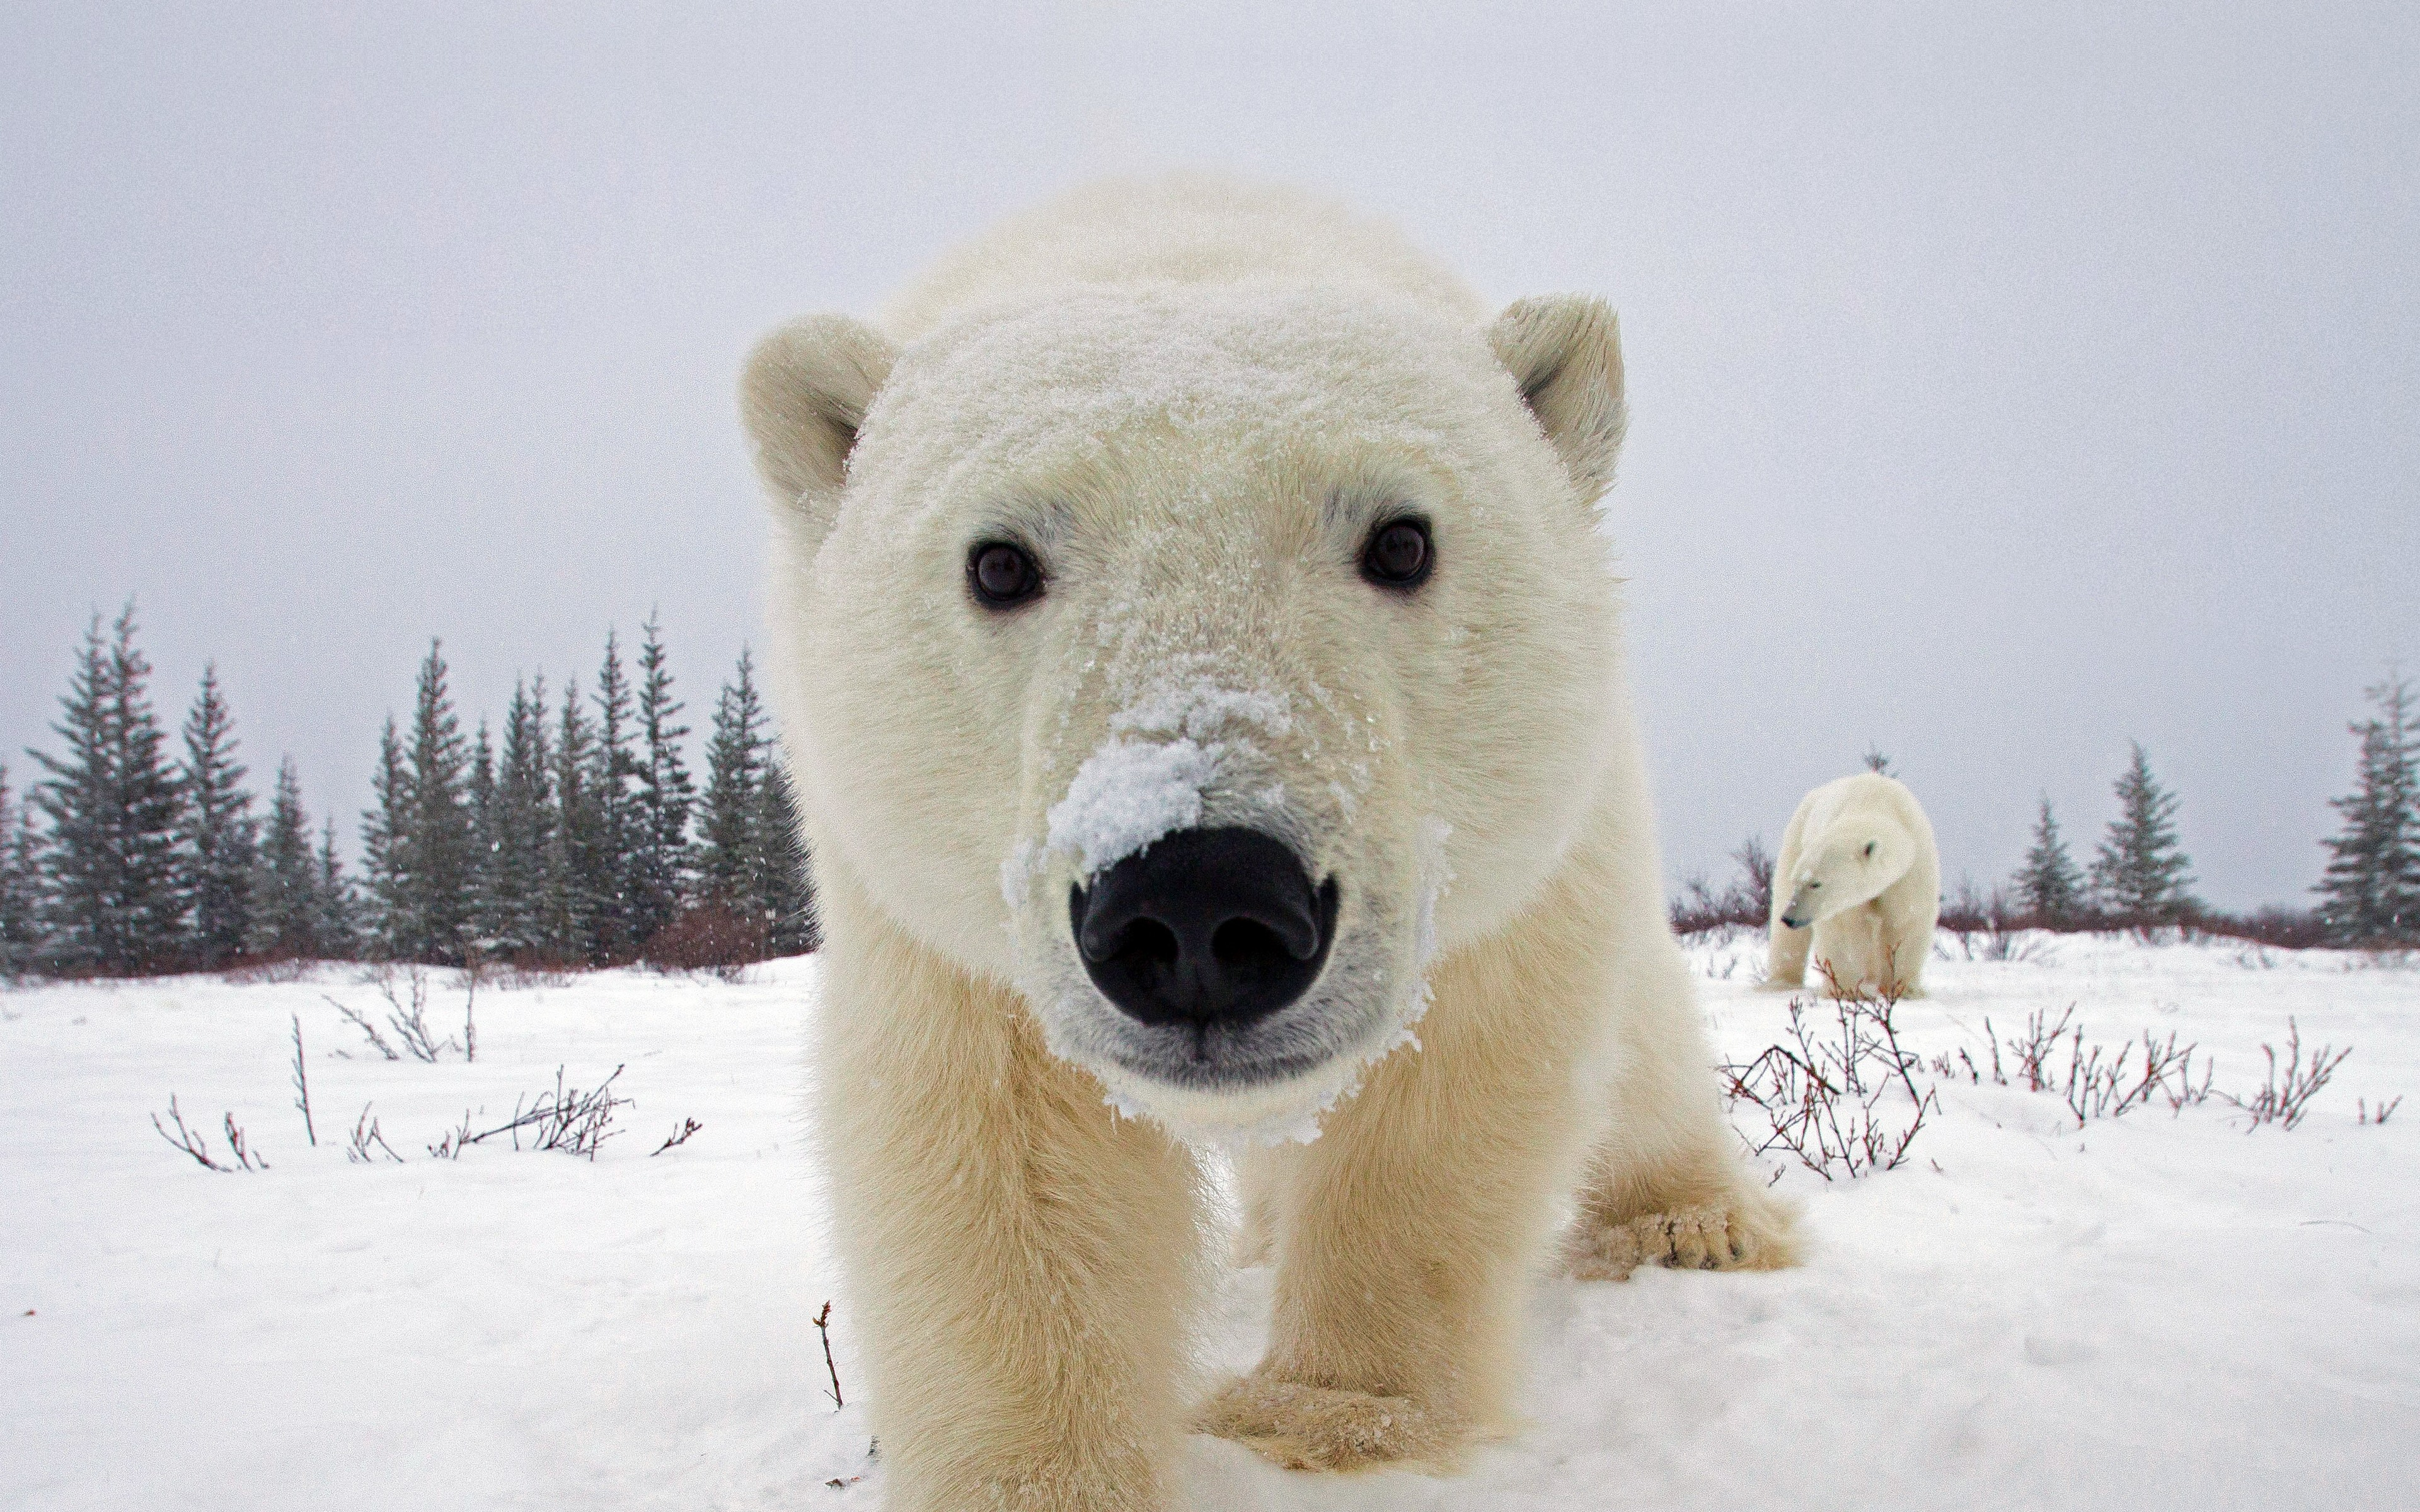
{"x":520,"y":831}
{"x":2370,"y":892}
{"x":217,"y":836}
{"x":20,"y":896}
{"x":750,"y":857}
{"x":340,"y":908}
{"x":734,"y":770}
{"x":479,"y":799}
{"x":111,"y":807}
{"x":579,"y":897}
{"x":2050,"y":885}
{"x":440,"y":820}
{"x":659,"y":872}
{"x":386,"y":852}
{"x":781,"y":873}
{"x":616,"y":769}
{"x":2142,"y":874}
{"x":286,"y":911}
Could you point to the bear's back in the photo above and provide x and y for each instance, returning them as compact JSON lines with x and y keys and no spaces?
{"x":1179,"y":229}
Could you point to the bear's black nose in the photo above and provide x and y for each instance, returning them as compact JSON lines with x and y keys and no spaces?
{"x":1207,"y":926}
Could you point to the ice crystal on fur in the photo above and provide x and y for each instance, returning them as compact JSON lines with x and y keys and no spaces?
{"x":1128,"y":794}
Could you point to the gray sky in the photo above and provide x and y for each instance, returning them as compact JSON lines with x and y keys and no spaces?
{"x":2008,"y":379}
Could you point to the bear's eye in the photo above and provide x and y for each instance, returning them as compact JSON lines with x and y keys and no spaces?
{"x":1399,"y":554}
{"x":1003,"y":576}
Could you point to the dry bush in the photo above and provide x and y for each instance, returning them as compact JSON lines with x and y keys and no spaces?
{"x":2365,"y":1113}
{"x":367,"y":1143}
{"x":2053,"y":1056}
{"x":274,"y":969}
{"x":1988,"y":926}
{"x":1831,"y":1094}
{"x":2285,"y":1098}
{"x":198,"y":1145}
{"x":564,"y":1118}
{"x":709,"y":937}
{"x":1745,"y":903}
{"x":410,"y":1021}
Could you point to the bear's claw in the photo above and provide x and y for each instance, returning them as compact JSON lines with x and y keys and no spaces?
{"x":1320,"y":1428}
{"x":1710,"y":1238}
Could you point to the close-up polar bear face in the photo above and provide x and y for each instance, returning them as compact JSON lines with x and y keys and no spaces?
{"x":1198,"y":659}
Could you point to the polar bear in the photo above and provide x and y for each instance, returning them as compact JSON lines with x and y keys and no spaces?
{"x":1197,"y":657}
{"x":1858,"y":879}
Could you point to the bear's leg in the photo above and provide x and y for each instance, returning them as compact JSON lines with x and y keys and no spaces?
{"x":1021,"y":1263}
{"x":1409,"y":1230}
{"x":1909,"y":910}
{"x":1665,"y":1186}
{"x":1785,"y":961}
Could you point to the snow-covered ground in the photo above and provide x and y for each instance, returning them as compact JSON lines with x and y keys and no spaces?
{"x":2164,"y":1310}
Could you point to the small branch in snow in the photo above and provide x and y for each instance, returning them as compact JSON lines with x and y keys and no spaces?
{"x":185,"y":1139}
{"x":2284,"y":1099}
{"x":823,"y":1326}
{"x":2365,"y":1113}
{"x":367,"y":1143}
{"x":302,"y":1084}
{"x":378,"y":1040}
{"x":679,"y":1137}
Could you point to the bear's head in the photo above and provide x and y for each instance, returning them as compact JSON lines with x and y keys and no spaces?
{"x":1850,"y":862}
{"x":1199,"y":660}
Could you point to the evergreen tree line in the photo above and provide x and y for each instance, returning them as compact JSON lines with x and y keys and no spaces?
{"x":578,"y":839}
{"x":2368,"y":892}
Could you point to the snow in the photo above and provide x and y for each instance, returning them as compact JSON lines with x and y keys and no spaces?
{"x":2165,"y":1310}
{"x":1125,"y":795}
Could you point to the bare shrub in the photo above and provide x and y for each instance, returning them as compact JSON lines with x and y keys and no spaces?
{"x":2365,"y":1113}
{"x":2285,"y":1097}
{"x":1745,"y":903}
{"x":410,"y":1019}
{"x":2053,"y":1056}
{"x":679,"y":1136}
{"x":1821,"y":1095}
{"x":1988,"y":926}
{"x":564,"y":1118}
{"x":367,"y":1143}
{"x":276,"y":969}
{"x":823,"y":1326}
{"x":302,"y":1079}
{"x":242,"y":1157}
{"x":711,"y":937}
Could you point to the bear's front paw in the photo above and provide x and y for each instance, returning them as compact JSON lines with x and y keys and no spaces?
{"x":1320,"y":1428}
{"x":1749,"y":1234}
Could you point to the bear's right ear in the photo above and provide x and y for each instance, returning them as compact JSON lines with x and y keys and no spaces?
{"x":802,"y":397}
{"x":1564,"y":353}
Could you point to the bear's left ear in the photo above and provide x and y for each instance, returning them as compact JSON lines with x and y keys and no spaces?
{"x":1564,"y":352}
{"x":802,"y":397}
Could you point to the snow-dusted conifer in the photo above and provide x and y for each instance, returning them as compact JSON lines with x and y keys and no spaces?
{"x":579,"y":871}
{"x":519,"y":829}
{"x":659,"y":860}
{"x":386,"y":851}
{"x":340,"y":905}
{"x":749,"y":857}
{"x":2142,"y":874}
{"x":2050,"y":885}
{"x":19,"y":894}
{"x":110,"y":806}
{"x":440,"y":836}
{"x":216,"y":834}
{"x":2370,"y":892}
{"x":616,"y":770}
{"x":285,"y":912}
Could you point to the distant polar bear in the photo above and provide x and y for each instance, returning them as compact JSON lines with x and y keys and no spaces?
{"x":1197,"y":656}
{"x":1859,"y":880}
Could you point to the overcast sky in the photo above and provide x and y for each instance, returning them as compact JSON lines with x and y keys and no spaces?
{"x":2007,"y":380}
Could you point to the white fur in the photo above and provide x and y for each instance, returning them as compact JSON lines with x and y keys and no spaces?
{"x":1192,"y":401}
{"x":1857,"y":882}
